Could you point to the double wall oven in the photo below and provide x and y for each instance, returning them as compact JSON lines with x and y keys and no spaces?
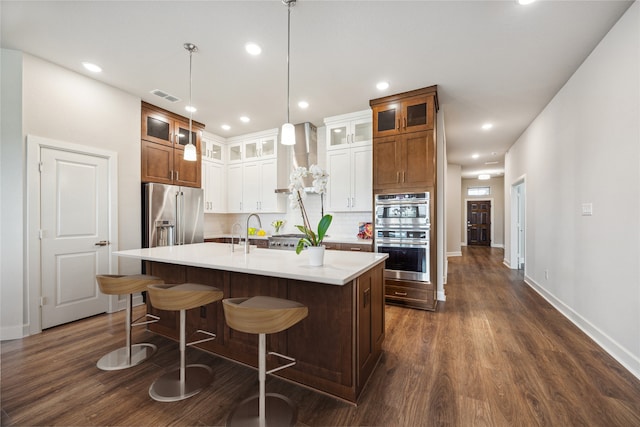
{"x":402,"y":229}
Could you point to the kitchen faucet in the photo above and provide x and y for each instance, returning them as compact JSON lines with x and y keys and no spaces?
{"x":246,"y":241}
{"x":239,"y":234}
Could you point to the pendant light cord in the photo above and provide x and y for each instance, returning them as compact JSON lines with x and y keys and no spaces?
{"x":288,"y":55}
{"x":190,"y":93}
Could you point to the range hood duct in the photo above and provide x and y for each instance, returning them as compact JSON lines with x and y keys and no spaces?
{"x":304,"y":153}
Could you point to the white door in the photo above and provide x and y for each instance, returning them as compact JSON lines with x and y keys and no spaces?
{"x":74,"y":191}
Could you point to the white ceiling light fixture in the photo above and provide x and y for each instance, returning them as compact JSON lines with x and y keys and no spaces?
{"x":245,"y":119}
{"x":191,"y":109}
{"x":253,"y":49}
{"x":487,"y":126}
{"x":475,"y":156}
{"x":288,"y":134}
{"x":225,"y":127}
{"x":190,"y":152}
{"x":92,"y":67}
{"x":303,"y":104}
{"x":382,"y":85}
{"x":484,"y":177}
{"x":525,"y":2}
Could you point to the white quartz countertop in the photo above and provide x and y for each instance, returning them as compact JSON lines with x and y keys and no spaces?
{"x":339,"y":267}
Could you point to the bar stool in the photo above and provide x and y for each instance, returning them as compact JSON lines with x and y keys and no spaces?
{"x":129,"y":355}
{"x":184,"y":381}
{"x":263,"y":315}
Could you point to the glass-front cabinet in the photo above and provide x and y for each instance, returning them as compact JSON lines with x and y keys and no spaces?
{"x":414,"y":114}
{"x":349,"y":130}
{"x":235,"y":152}
{"x":260,"y":148}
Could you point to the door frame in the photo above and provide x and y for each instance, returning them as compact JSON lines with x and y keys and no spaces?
{"x":464,"y":218}
{"x":33,"y":271}
{"x":513,"y":253}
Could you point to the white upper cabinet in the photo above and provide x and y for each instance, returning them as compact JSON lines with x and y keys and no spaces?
{"x":213,"y":148}
{"x":349,"y":162}
{"x":349,"y":130}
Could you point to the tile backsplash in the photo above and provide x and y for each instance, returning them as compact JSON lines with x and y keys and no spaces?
{"x":344,"y":224}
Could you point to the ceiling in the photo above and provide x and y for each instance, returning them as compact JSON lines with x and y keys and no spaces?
{"x":493,"y":61}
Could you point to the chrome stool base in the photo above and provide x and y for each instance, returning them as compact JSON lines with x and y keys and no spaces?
{"x":168,"y":387}
{"x":280,"y":411}
{"x":119,"y":359}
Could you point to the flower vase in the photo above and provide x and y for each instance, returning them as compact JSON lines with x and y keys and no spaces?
{"x":316,"y":255}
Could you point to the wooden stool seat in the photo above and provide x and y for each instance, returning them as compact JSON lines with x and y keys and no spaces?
{"x":129,"y":355}
{"x":186,"y":380}
{"x":264,"y":315}
{"x":182,"y":297}
{"x":114,"y":284}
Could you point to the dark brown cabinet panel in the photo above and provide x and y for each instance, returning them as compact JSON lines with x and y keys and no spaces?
{"x":163,"y":138}
{"x":404,"y":113}
{"x":404,"y":161}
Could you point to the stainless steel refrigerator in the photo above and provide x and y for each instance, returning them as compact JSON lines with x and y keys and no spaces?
{"x":171,"y":215}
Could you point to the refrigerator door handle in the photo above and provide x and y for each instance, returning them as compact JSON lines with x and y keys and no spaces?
{"x":179,"y":221}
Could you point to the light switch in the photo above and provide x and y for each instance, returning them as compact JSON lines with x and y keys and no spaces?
{"x":587,"y":209}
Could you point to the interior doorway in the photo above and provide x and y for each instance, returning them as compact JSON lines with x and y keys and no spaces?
{"x":72,"y":229}
{"x":479,"y":222}
{"x":518,"y":225}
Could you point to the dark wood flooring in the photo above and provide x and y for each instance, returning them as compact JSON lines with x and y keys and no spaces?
{"x":495,"y":354}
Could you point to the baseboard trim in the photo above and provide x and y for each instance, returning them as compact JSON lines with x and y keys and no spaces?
{"x":441,"y":296}
{"x":497,"y":245}
{"x":450,"y":254}
{"x":608,"y":344}
{"x":13,"y":332}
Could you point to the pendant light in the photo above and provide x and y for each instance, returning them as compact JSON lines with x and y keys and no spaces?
{"x":190,"y":152}
{"x":288,"y":135}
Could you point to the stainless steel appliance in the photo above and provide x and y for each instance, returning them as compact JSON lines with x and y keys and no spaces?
{"x":402,"y":231}
{"x":284,"y":241}
{"x":171,"y":215}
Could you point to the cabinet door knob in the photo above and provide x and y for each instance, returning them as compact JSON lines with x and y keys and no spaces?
{"x":400,"y":294}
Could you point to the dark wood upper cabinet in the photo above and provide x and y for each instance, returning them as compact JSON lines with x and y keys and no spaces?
{"x":404,"y":113}
{"x":164,"y":136}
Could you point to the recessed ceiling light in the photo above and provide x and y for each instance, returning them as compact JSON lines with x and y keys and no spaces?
{"x":525,"y":2}
{"x":225,"y":127}
{"x":303,"y":104}
{"x":338,"y":130}
{"x":191,"y":108}
{"x":92,"y":67}
{"x":245,"y":119}
{"x":475,"y":156}
{"x":253,"y":49}
{"x":487,"y":126}
{"x":382,"y":85}
{"x":491,"y":163}
{"x":484,"y":176}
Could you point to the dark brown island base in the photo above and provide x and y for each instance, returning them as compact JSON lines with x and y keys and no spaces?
{"x":336,"y":347}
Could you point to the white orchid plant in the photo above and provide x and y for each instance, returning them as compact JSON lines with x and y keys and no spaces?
{"x":298,"y":194}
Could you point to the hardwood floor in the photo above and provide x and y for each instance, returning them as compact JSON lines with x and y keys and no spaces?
{"x":495,"y":354}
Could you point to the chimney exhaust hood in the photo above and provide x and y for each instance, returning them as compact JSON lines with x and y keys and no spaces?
{"x":304,"y":153}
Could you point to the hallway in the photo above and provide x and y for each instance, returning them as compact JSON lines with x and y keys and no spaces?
{"x":495,"y":354}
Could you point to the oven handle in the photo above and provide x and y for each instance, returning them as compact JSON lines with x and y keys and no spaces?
{"x":403,"y":243}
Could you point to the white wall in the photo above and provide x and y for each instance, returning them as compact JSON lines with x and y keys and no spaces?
{"x":64,"y":105}
{"x":12,"y":315}
{"x":584,"y":147}
{"x":454,"y":211}
{"x":497,"y":207}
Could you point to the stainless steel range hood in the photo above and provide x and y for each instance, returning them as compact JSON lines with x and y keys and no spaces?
{"x":304,"y":153}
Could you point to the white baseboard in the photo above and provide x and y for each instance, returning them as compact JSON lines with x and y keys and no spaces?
{"x":506,"y":263}
{"x":13,"y":332}
{"x":457,"y":253}
{"x":630,"y":361}
{"x":463,"y":243}
{"x":441,"y":296}
{"x":497,"y":245}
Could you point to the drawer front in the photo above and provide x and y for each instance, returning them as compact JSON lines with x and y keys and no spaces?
{"x":406,"y":293}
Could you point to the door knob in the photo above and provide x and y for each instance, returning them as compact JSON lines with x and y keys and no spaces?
{"x":103,"y":243}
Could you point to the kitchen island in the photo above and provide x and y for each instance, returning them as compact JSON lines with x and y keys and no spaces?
{"x":336,"y":347}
